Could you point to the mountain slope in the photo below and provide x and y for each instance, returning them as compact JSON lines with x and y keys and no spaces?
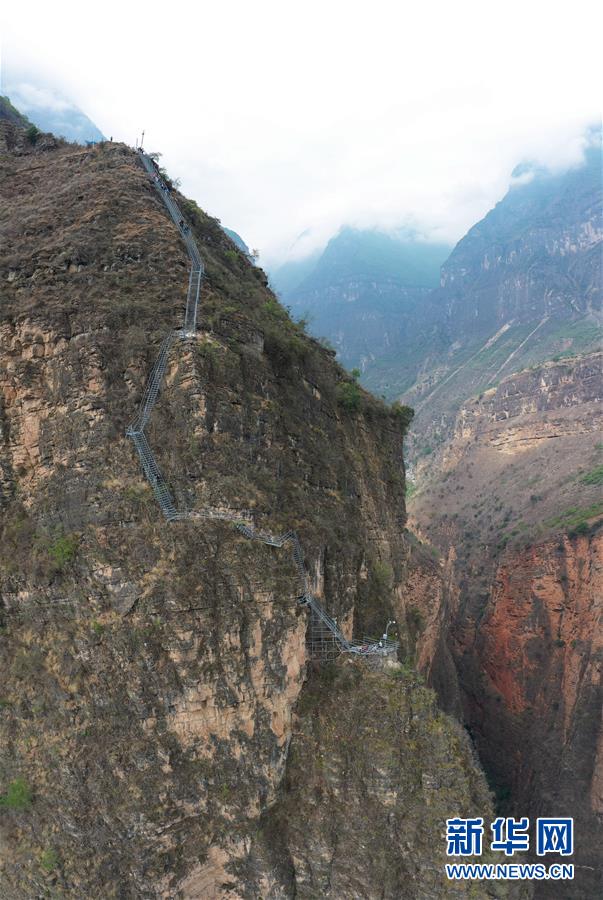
{"x":51,"y":112}
{"x":522,"y":286}
{"x":237,"y":240}
{"x":151,"y":671}
{"x":9,"y":113}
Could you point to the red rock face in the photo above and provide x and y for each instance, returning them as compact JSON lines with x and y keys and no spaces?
{"x":515,"y":504}
{"x":530,"y":670}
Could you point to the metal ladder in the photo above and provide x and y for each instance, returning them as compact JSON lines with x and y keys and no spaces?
{"x":151,"y":469}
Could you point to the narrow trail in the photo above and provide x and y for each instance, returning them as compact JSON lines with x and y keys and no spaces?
{"x":321,"y":621}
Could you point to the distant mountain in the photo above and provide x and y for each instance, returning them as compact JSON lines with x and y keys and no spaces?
{"x":52,"y":112}
{"x":362,"y":291}
{"x":372,"y":254}
{"x":287,"y":278}
{"x":522,"y":287}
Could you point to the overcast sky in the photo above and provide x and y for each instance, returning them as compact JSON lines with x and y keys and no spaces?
{"x":282,"y":117}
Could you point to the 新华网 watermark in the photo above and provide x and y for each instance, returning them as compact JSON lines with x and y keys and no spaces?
{"x":465,"y":837}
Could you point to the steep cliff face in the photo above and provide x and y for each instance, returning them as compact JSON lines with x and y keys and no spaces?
{"x":539,"y":649}
{"x":517,"y":495}
{"x":533,"y":250}
{"x":353,"y":820}
{"x":152,"y":670}
{"x":524,"y":461}
{"x":530,"y":670}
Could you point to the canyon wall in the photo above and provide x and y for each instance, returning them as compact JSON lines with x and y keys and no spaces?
{"x":516,"y":500}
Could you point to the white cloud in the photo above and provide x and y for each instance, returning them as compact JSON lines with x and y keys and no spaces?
{"x":28,"y":97}
{"x":281,"y":117}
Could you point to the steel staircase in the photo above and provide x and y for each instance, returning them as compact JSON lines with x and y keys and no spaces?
{"x":153,"y":474}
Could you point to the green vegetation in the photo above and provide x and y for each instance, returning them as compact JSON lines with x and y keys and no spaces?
{"x":284,"y":341}
{"x":32,"y":134}
{"x":497,"y":352}
{"x":575,"y":519}
{"x":137,"y":493}
{"x":404,"y":414}
{"x":192,"y":211}
{"x":303,"y":321}
{"x":382,"y":577}
{"x":376,"y":606}
{"x":349,"y":396}
{"x":415,"y":620}
{"x":595,"y":476}
{"x":12,"y":113}
{"x":62,"y":551}
{"x":18,"y":795}
{"x":49,"y":860}
{"x":583,"y":333}
{"x":28,"y":548}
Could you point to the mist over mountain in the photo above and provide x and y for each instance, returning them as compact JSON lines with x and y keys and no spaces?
{"x":522,"y":287}
{"x":287,"y":277}
{"x":362,"y":291}
{"x":51,"y":112}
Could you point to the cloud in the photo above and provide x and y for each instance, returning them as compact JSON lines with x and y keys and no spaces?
{"x":286,"y":117}
{"x":29,"y":97}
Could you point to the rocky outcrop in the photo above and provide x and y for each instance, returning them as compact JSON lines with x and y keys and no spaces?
{"x":537,"y":248}
{"x":424,"y":601}
{"x":524,"y":461}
